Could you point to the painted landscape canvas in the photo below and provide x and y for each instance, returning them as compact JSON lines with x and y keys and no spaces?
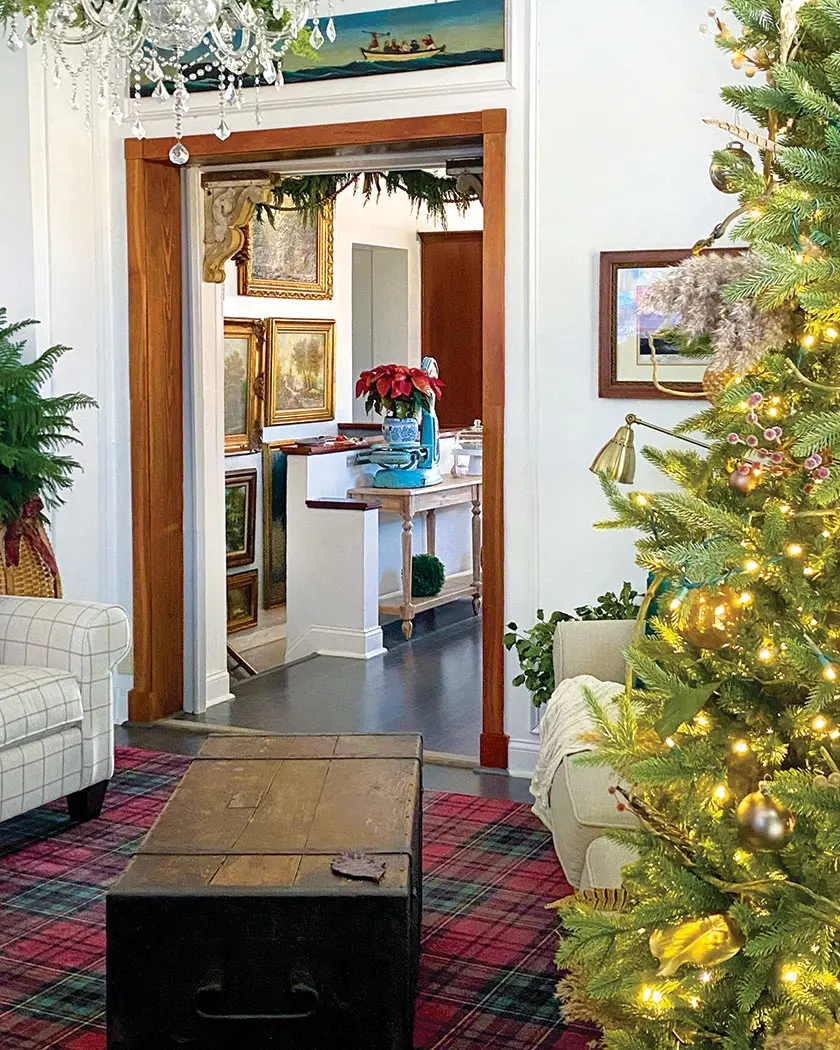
{"x":391,"y":40}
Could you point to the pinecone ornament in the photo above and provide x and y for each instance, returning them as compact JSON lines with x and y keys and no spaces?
{"x":714,"y":383}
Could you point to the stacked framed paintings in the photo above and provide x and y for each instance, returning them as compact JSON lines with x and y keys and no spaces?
{"x":288,"y":377}
{"x":242,"y":600}
{"x":244,"y":353}
{"x":288,"y":257}
{"x":240,"y":516}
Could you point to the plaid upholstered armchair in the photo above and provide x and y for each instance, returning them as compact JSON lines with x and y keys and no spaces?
{"x":56,"y":702}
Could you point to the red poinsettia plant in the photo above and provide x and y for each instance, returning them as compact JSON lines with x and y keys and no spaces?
{"x":397,"y":390}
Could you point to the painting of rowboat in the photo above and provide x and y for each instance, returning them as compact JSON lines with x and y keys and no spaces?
{"x":403,"y":39}
{"x":394,"y":40}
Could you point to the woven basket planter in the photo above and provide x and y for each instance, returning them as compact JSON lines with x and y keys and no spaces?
{"x":27,"y":562}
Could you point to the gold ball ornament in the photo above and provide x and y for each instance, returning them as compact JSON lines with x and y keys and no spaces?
{"x":713,"y":620}
{"x":720,"y":175}
{"x":742,"y":482}
{"x":764,"y":824}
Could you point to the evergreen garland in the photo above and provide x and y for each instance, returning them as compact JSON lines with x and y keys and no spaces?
{"x":34,"y":429}
{"x":310,"y":194}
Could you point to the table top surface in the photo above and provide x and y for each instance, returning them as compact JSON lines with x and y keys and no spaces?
{"x":273,"y":812}
{"x":448,"y":484}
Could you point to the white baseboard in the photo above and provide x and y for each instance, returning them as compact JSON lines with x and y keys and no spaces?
{"x":217,"y":688}
{"x":522,"y":757}
{"x":337,"y":641}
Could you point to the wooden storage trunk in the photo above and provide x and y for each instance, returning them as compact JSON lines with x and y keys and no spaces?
{"x":230,"y":930}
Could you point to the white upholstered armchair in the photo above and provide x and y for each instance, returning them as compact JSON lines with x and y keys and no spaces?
{"x":56,"y":702}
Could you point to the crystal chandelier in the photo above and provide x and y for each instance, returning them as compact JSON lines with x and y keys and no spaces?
{"x":114,"y":51}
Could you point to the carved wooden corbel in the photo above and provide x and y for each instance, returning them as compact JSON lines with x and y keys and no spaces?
{"x":229,"y":205}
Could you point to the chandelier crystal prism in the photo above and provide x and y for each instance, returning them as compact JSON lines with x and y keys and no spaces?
{"x":113,"y":52}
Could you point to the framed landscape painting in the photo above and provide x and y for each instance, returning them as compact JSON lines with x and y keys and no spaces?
{"x":274,"y":523}
{"x":242,"y":600}
{"x":625,"y":361}
{"x":289,"y":259}
{"x":244,"y":364}
{"x":300,"y":377}
{"x":240,"y":516}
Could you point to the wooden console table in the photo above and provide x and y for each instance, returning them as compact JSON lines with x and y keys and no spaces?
{"x":408,"y":503}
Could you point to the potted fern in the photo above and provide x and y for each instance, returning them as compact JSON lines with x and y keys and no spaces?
{"x":34,"y":467}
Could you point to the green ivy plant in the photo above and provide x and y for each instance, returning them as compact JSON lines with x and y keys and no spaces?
{"x":535,"y":647}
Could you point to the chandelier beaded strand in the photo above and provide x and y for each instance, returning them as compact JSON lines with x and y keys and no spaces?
{"x":117,"y":45}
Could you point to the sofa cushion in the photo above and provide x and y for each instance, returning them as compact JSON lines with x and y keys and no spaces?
{"x":35,"y":701}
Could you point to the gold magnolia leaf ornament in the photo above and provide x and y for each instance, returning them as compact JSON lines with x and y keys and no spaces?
{"x":701,"y":942}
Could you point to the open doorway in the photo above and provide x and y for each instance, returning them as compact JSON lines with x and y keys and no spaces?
{"x":310,"y":303}
{"x":156,"y":310}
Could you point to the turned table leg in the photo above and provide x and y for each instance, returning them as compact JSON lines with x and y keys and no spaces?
{"x":431,"y":531}
{"x":476,"y":549}
{"x":407,"y":552}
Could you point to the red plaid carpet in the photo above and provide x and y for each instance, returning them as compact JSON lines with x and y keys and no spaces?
{"x":487,"y":978}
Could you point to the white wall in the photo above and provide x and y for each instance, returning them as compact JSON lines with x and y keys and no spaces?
{"x":17,"y":241}
{"x":606,"y":151}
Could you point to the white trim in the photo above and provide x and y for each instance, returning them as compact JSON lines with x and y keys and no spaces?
{"x":217,"y":689}
{"x":488,"y":78}
{"x":522,"y":758}
{"x":206,"y":679}
{"x":338,"y":641}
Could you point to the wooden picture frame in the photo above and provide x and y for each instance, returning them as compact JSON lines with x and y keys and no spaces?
{"x":622,"y":372}
{"x":295,"y":392}
{"x":240,"y":548}
{"x":242,"y":600}
{"x":274,"y":523}
{"x":244,"y":357}
{"x":291,"y":259}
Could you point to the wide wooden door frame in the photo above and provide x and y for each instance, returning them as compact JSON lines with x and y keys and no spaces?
{"x":155,"y":294}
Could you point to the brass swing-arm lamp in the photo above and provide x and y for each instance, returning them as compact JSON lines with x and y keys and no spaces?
{"x":617,"y":459}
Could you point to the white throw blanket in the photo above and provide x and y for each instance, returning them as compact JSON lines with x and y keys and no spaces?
{"x":566,"y":717}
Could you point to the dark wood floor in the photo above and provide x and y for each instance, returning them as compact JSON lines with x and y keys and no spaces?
{"x":435,"y":778}
{"x":429,"y":685}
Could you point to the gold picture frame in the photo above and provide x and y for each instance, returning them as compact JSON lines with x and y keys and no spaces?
{"x":274,"y":523}
{"x":240,"y":516}
{"x":242,"y":600}
{"x":291,"y":259}
{"x":244,"y":384}
{"x":300,"y":373}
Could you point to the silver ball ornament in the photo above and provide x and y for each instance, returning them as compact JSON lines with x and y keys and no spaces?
{"x":764,"y":823}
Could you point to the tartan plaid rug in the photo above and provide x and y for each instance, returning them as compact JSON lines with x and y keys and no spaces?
{"x":487,"y":978}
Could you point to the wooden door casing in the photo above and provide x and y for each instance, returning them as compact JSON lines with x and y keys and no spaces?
{"x":155,"y":273}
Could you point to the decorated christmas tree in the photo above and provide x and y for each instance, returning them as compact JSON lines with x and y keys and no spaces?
{"x":726,"y":744}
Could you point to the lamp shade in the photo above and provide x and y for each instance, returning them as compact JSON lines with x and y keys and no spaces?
{"x":617,"y":459}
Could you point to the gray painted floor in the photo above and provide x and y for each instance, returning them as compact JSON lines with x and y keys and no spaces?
{"x":430,"y":685}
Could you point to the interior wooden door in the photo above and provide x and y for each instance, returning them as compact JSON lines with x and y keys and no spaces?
{"x":452,"y":328}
